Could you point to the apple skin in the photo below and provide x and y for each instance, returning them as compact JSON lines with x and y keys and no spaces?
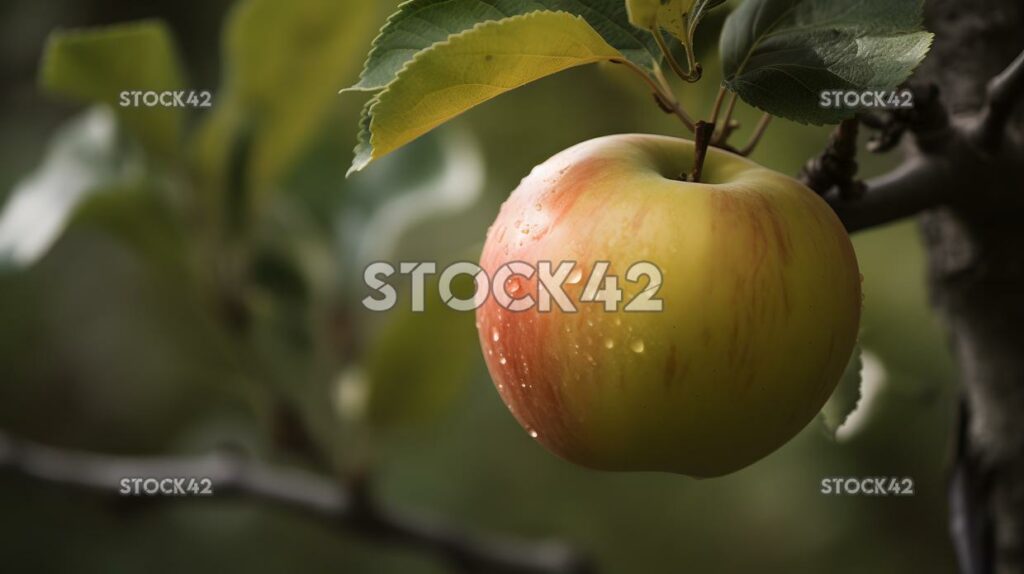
{"x":762,"y":302}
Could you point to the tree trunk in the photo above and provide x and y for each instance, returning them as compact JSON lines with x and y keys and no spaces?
{"x":976,"y":278}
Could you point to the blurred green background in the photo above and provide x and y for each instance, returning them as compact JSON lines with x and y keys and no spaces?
{"x":147,"y":328}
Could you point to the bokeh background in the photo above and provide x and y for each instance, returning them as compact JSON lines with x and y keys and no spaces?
{"x":135,"y":332}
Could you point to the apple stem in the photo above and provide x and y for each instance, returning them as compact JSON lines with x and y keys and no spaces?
{"x":703,"y":132}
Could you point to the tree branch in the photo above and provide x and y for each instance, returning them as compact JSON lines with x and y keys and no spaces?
{"x":1004,"y":92}
{"x":352,"y":508}
{"x":915,"y":186}
{"x":837,"y":165}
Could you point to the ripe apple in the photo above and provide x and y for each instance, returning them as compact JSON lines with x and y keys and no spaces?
{"x":761,"y":300}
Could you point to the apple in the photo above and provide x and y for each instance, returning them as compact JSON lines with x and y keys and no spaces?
{"x":760,"y":294}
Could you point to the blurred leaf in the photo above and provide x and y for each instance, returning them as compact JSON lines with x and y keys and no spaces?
{"x":845,"y":397}
{"x":780,"y":55}
{"x":138,"y":219}
{"x":471,"y":68}
{"x":84,"y":157}
{"x":285,"y":62}
{"x":420,"y":24}
{"x":99,"y":65}
{"x":419,"y":362}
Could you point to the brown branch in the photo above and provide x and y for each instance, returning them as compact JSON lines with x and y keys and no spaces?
{"x":837,"y":165}
{"x":755,"y":137}
{"x":906,"y":191}
{"x":1004,"y":92}
{"x":941,"y":158}
{"x":350,"y":508}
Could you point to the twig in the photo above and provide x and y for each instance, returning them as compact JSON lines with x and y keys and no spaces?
{"x":837,"y":165}
{"x":727,"y":124}
{"x":662,"y":94}
{"x":755,"y":138}
{"x":717,"y":106}
{"x":352,"y":508}
{"x":1004,"y":92}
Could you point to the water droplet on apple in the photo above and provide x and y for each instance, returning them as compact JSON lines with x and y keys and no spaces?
{"x":534,"y":434}
{"x":494,"y":335}
{"x":575,"y":277}
{"x":502,"y":360}
{"x":609,"y":344}
{"x":618,"y":322}
{"x":514,"y":285}
{"x":637,"y":346}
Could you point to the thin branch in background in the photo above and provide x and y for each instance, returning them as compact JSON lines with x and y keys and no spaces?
{"x":1004,"y":93}
{"x":755,"y":138}
{"x":716,"y":107}
{"x":837,"y":164}
{"x":727,"y":125}
{"x":351,"y":508}
{"x":663,"y":95}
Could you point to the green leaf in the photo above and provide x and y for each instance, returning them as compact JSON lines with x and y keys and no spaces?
{"x":673,"y":15}
{"x":845,"y":397}
{"x":419,"y":362}
{"x":285,"y":62}
{"x":85,"y":156}
{"x":779,"y":55}
{"x":98,"y":65}
{"x":471,"y":68}
{"x":419,"y":24}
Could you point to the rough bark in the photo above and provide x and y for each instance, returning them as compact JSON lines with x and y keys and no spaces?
{"x":976,"y":278}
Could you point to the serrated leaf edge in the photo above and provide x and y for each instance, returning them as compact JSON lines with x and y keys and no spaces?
{"x":365,"y":148}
